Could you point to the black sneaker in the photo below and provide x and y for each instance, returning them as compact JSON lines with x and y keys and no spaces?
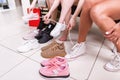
{"x":5,"y":7}
{"x":42,"y":25}
{"x":45,"y":38}
{"x":47,"y":30}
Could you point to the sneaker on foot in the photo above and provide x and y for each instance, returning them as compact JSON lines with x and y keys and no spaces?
{"x":29,"y":45}
{"x":77,"y":50}
{"x":113,"y":65}
{"x":57,"y":30}
{"x":31,"y":35}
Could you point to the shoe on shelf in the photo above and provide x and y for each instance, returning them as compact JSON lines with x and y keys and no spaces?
{"x":55,"y":71}
{"x":28,"y":45}
{"x":113,"y":65}
{"x":31,"y":35}
{"x":57,"y":30}
{"x":56,"y":60}
{"x":77,"y":50}
{"x":48,"y":46}
{"x":56,"y":50}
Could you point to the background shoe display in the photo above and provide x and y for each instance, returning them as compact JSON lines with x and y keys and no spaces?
{"x":48,"y":46}
{"x":57,"y":60}
{"x":31,"y":35}
{"x":29,"y":45}
{"x":55,"y":50}
{"x":5,"y":7}
{"x":55,"y":68}
{"x":44,"y":36}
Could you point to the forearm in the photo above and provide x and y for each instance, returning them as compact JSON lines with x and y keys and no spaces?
{"x":78,"y":9}
{"x":54,"y":6}
{"x":33,"y":3}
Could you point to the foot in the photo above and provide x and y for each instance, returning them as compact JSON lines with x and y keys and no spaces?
{"x":64,"y":36}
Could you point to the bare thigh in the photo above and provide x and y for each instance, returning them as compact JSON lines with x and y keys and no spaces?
{"x":110,"y":8}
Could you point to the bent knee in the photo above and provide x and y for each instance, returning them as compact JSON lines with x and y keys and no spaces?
{"x":88,"y":4}
{"x":97,"y":13}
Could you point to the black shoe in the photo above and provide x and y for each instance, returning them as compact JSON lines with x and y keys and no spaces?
{"x":42,"y":25}
{"x":45,"y":38}
{"x":5,"y":7}
{"x":47,"y":30}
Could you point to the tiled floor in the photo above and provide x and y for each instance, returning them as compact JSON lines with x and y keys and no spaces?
{"x":25,"y":66}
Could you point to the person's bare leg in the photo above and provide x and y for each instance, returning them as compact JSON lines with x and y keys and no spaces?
{"x":104,"y":15}
{"x":54,"y":14}
{"x":65,"y":9}
{"x":66,"y":17}
{"x":64,"y":35}
{"x":85,"y":19}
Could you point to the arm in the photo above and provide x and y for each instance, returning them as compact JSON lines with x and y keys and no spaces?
{"x":77,"y":11}
{"x":54,"y":6}
{"x":33,"y":4}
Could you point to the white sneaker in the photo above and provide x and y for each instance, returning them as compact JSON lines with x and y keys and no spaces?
{"x":57,"y":30}
{"x":31,"y":35}
{"x":113,"y":65}
{"x":77,"y":50}
{"x":30,"y":16}
{"x":29,"y":45}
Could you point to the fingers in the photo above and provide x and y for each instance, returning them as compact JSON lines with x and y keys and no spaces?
{"x":109,"y":32}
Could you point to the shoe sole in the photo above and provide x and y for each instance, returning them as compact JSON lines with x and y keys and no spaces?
{"x":66,"y":76}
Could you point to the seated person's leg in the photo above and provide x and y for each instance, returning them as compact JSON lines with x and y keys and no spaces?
{"x":64,"y":11}
{"x":104,"y":15}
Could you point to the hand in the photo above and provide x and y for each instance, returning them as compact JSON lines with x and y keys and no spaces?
{"x":71,"y":23}
{"x":31,"y":8}
{"x":114,"y":33}
{"x":46,"y":18}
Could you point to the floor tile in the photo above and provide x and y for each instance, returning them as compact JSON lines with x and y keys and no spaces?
{"x":98,"y":72}
{"x":8,"y":60}
{"x":81,"y":67}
